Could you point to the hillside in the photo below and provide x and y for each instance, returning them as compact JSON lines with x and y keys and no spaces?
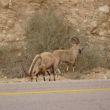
{"x":89,"y":20}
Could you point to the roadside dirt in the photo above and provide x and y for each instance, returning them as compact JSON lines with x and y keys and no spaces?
{"x":97,"y":73}
{"x":21,"y":80}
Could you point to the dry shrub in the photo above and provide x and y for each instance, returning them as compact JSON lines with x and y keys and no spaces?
{"x":46,"y":31}
{"x":95,"y":55}
{"x":10,"y":61}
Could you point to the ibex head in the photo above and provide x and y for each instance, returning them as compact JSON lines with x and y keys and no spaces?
{"x":76,"y":44}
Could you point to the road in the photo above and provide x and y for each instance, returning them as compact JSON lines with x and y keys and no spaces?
{"x":58,"y":95}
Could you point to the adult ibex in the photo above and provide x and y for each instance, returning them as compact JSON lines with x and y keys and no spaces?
{"x":70,"y":55}
{"x":42,"y":63}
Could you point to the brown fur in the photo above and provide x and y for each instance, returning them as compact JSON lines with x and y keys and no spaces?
{"x":42,"y":63}
{"x":70,"y":55}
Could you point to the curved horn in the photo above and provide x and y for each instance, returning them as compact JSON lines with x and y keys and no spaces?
{"x":75,"y":39}
{"x":33,"y":63}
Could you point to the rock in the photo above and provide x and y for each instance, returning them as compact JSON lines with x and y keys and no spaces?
{"x":60,"y":2}
{"x":103,"y":32}
{"x":4,"y":3}
{"x":94,"y":24}
{"x":104,"y":9}
{"x":5,"y":77}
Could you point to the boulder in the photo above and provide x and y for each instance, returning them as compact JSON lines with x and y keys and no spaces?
{"x":104,"y":9}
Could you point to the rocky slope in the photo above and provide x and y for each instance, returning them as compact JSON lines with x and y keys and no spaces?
{"x":89,"y":18}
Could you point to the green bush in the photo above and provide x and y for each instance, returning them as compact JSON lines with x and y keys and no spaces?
{"x":46,"y":31}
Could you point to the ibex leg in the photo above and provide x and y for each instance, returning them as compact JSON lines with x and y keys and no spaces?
{"x":53,"y":72}
{"x":44,"y":76}
{"x":67,"y":68}
{"x":36,"y":77}
{"x":49,"y":75}
{"x":58,"y":72}
{"x":73,"y":67}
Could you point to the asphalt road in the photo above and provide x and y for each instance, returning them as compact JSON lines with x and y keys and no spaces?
{"x":59,"y":95}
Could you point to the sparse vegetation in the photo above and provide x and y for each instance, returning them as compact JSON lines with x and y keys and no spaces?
{"x":30,"y":28}
{"x":46,"y":31}
{"x":94,"y":56}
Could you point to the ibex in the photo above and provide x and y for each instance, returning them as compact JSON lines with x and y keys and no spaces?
{"x":70,"y":55}
{"x":42,"y":63}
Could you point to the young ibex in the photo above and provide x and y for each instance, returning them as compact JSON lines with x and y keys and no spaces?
{"x":69,"y":56}
{"x":42,"y":63}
